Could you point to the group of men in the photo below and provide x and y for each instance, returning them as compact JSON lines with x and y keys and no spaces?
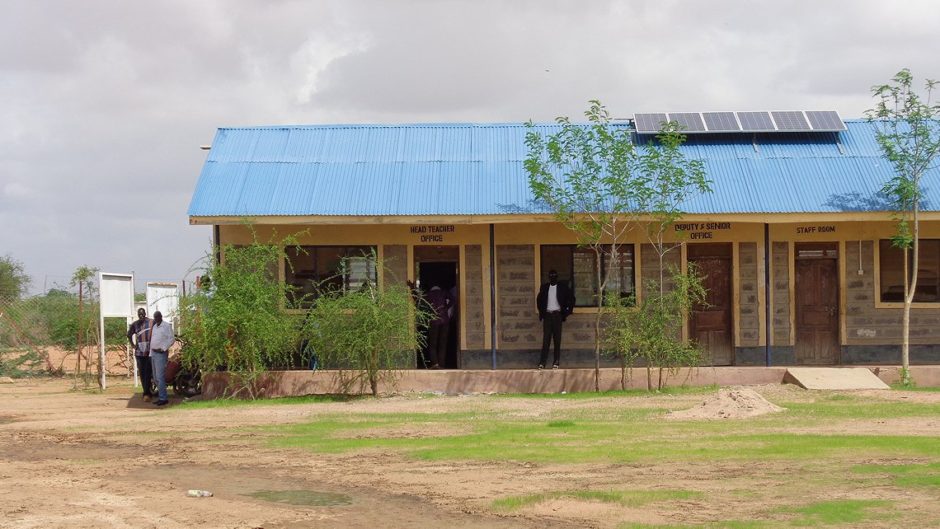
{"x":151,"y":340}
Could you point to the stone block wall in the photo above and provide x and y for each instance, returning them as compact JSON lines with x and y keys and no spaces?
{"x":863,"y":323}
{"x":780,"y":312}
{"x":749,"y":283}
{"x":518,"y":322}
{"x":867,"y":325}
{"x":473,"y":296}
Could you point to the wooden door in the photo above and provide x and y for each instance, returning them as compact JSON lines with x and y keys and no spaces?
{"x":817,"y":304}
{"x":710,"y":324}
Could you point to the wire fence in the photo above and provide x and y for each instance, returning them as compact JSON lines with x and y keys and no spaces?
{"x":54,"y":334}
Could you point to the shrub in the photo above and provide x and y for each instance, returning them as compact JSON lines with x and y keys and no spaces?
{"x":366,"y":334}
{"x":648,"y":332}
{"x":236,"y":321}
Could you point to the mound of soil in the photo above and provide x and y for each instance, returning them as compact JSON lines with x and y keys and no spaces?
{"x":728,"y":403}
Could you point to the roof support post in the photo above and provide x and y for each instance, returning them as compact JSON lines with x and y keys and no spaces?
{"x":493,"y":292}
{"x":767,"y":358}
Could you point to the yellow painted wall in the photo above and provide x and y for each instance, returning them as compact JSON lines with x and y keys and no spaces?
{"x":702,"y":229}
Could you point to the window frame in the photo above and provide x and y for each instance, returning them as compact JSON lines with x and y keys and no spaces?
{"x":879,"y":256}
{"x":575,"y":248}
{"x":312,"y":250}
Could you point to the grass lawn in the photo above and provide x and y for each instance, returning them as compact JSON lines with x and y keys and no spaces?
{"x":833,"y":460}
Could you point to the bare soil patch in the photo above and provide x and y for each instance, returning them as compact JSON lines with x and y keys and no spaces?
{"x":84,"y":459}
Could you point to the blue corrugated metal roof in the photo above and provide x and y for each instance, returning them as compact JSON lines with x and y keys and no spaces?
{"x":476,"y":169}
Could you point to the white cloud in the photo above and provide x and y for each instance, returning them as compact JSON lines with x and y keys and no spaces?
{"x":315,"y":56}
{"x":105,"y":103}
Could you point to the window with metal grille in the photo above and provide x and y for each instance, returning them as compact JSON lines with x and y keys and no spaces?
{"x":578,"y":267}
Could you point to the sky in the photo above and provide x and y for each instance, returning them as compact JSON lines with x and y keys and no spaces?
{"x":104,"y":104}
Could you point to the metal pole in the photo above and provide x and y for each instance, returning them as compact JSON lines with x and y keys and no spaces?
{"x":101,"y":381}
{"x":767,"y":263}
{"x":493,"y":292}
{"x":131,"y":354}
{"x":78,"y":337}
{"x":130,"y":319}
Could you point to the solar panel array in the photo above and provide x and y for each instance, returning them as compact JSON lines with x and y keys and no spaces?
{"x":725,"y":122}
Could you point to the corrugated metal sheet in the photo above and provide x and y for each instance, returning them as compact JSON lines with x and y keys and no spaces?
{"x":476,"y":169}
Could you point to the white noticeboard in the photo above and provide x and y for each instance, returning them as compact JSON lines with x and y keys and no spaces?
{"x":116,"y":300}
{"x":117,"y":295}
{"x":163,"y":297}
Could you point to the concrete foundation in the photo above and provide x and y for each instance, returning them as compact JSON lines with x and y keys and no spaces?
{"x":457,"y":382}
{"x":834,"y":378}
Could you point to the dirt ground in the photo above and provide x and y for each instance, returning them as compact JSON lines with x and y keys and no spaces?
{"x":83,"y":459}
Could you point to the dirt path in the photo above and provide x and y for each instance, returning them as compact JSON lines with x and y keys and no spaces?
{"x":83,"y":459}
{"x":75,"y":459}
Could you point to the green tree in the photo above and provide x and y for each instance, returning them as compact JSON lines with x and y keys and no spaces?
{"x":236,"y":321}
{"x":13,"y":278}
{"x":366,"y":334}
{"x":909,"y":136}
{"x":647,"y":331}
{"x":585,"y":176}
{"x":665,"y":182}
{"x":83,"y":278}
{"x":600,"y":185}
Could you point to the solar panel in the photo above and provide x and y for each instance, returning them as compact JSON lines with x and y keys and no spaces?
{"x":747,"y":122}
{"x":756,"y":122}
{"x":688,"y":121}
{"x":790,"y":121}
{"x":649,"y":123}
{"x":825,"y":120}
{"x":721,"y":122}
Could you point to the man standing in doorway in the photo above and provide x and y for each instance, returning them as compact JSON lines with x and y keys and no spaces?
{"x":439,"y":302}
{"x":162,"y":338}
{"x":138,"y":335}
{"x":554,"y":302}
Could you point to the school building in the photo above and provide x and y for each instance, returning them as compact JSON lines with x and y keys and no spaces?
{"x":793,"y":240}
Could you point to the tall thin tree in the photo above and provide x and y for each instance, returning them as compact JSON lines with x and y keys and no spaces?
{"x":909,"y":136}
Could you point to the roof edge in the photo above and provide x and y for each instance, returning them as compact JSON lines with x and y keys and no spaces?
{"x":756,"y":218}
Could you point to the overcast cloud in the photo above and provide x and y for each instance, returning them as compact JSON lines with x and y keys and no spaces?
{"x":103,"y":104}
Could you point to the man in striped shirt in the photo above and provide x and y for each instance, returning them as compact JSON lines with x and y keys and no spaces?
{"x":139,"y":337}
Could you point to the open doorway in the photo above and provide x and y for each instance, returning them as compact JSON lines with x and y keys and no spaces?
{"x":437,"y":266}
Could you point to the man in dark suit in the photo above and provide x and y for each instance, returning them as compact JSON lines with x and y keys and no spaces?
{"x":554,"y":302}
